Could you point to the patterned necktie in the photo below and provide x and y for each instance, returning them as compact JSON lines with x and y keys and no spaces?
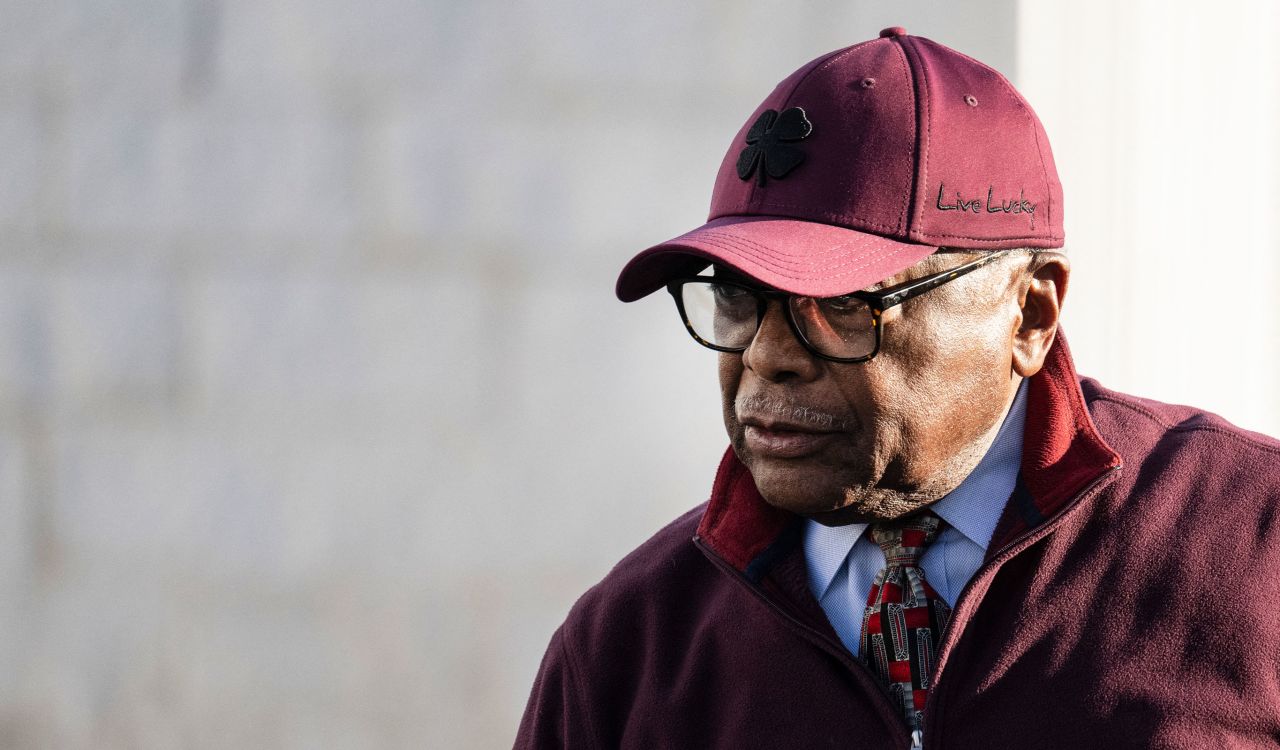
{"x":905,"y":618}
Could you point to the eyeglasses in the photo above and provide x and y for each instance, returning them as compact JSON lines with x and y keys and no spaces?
{"x":726,"y":315}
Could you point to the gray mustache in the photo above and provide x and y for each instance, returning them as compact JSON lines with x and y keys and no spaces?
{"x":765,"y":405}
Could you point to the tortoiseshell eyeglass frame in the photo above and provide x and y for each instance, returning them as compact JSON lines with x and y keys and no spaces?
{"x":878,"y":300}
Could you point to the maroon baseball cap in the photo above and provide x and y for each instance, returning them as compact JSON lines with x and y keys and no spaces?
{"x":863,"y":162}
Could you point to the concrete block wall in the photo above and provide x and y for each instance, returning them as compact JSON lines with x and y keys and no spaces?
{"x":316,"y":409}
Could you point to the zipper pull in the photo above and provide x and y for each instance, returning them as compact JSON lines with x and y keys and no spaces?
{"x":917,"y":740}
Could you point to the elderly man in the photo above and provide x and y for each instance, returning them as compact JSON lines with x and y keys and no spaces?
{"x":928,"y":529}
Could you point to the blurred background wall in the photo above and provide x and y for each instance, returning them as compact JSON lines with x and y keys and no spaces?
{"x":316,"y":409}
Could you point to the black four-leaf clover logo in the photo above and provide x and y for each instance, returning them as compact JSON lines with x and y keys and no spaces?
{"x":768,"y":150}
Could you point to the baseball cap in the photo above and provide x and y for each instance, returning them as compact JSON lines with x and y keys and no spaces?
{"x":863,"y":162}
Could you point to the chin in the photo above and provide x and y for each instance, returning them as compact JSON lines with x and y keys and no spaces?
{"x":798,"y":489}
{"x":812,"y":491}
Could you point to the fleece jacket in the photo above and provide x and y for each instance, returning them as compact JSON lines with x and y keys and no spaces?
{"x":1130,"y":598}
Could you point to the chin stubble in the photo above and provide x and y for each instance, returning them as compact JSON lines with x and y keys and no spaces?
{"x":883,"y":504}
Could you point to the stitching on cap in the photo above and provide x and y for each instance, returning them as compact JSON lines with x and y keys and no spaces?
{"x":835,"y":57}
{"x":826,"y":272}
{"x":901,"y":59}
{"x":927,"y":116}
{"x":990,"y":240}
{"x":764,"y":260}
{"x":1017,"y":99}
{"x":767,"y":262}
{"x":1035,"y":137}
{"x":761,"y":252}
{"x":834,"y":249}
{"x":801,"y":261}
{"x":831,"y":60}
{"x":924,"y":235}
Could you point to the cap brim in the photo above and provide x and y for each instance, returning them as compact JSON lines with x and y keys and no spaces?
{"x":800,"y":257}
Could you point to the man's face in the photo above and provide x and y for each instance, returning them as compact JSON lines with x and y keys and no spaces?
{"x":879,"y":439}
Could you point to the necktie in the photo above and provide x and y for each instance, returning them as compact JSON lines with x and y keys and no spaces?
{"x":905,"y":618}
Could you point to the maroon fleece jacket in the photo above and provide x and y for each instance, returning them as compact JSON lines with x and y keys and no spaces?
{"x":1130,"y":598}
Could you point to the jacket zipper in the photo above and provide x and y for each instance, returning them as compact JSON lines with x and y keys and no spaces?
{"x":1004,"y":555}
{"x":916,"y":738}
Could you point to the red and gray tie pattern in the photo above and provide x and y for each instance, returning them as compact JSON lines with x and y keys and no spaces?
{"x":905,"y":618}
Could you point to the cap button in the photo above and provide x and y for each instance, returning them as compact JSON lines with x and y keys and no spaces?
{"x":893,"y":31}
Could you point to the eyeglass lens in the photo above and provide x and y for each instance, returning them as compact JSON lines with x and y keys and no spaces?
{"x":727,"y":316}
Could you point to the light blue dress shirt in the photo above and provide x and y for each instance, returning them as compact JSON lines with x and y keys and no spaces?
{"x":843,"y":561}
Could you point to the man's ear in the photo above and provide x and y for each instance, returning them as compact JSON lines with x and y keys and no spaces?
{"x":1043,"y":286}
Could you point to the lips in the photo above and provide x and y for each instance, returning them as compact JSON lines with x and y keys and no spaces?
{"x":784,"y":439}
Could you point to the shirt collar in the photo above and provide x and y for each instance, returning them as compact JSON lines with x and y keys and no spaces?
{"x":973,"y":508}
{"x":825,"y":550}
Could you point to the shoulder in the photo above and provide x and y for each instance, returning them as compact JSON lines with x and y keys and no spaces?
{"x":642,"y":617}
{"x":1196,"y":500}
{"x":655,"y":575}
{"x":1178,"y":454}
{"x":1134,"y":423}
{"x":591,"y":673}
{"x":632,"y":630}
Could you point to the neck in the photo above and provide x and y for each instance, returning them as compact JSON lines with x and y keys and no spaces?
{"x":884,"y":503}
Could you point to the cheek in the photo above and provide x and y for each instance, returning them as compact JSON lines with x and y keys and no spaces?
{"x":883,"y":399}
{"x":730,"y":370}
{"x":943,"y":377}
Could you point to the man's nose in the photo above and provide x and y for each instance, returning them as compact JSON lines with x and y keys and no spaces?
{"x":775,"y":353}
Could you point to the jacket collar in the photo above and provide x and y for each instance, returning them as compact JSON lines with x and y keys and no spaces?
{"x":1062,"y":455}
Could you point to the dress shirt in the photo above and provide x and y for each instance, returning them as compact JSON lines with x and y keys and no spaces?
{"x":842,"y":561}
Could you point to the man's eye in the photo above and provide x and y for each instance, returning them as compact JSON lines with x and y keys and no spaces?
{"x":726,"y":292}
{"x":847,"y":303}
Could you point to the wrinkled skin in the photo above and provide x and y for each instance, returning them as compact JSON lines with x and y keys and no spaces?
{"x":902,"y":430}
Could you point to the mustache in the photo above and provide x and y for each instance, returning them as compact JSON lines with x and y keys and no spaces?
{"x":789,"y":411}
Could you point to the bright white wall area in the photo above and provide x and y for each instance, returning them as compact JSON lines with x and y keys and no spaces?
{"x":1165,"y":122}
{"x":317,"y":410}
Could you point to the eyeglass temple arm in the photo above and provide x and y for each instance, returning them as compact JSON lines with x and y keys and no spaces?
{"x":896,"y":295}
